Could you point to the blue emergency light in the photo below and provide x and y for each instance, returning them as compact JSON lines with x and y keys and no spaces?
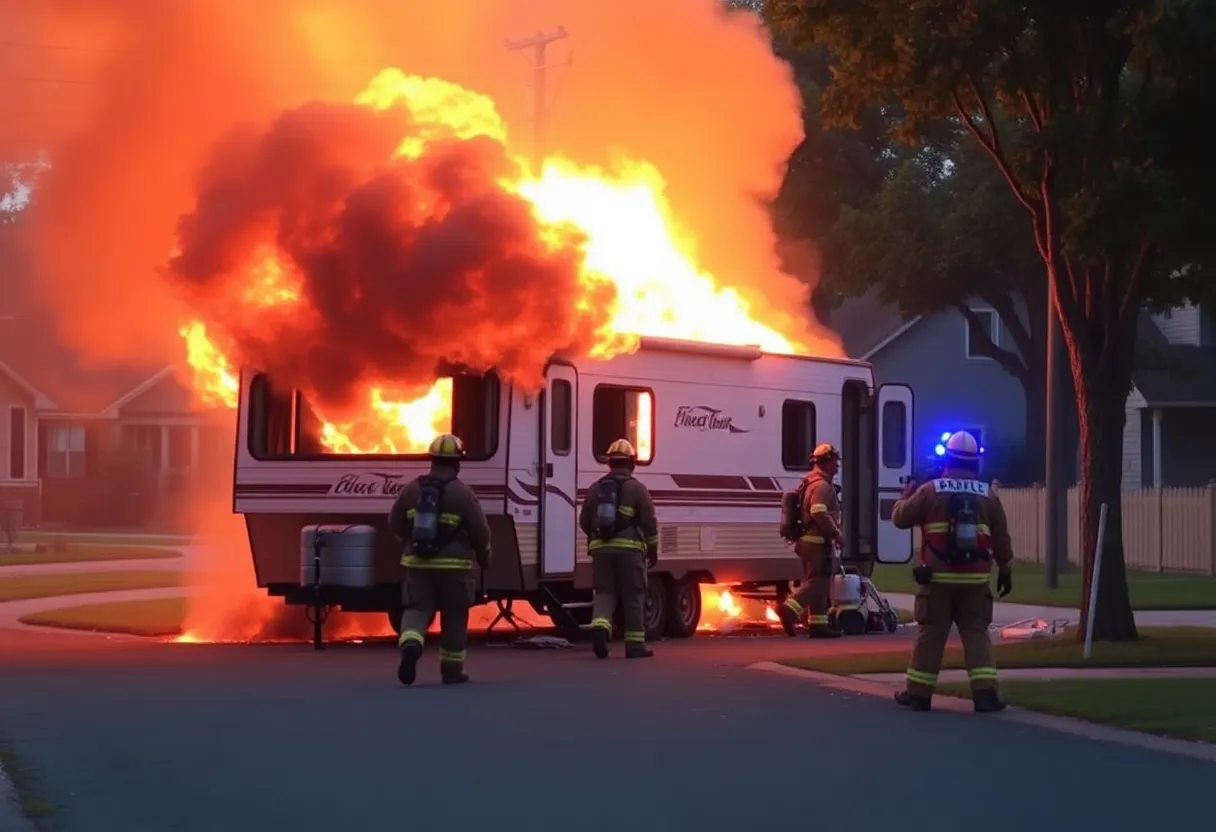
{"x":940,"y":447}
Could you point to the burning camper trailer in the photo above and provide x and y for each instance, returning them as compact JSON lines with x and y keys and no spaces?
{"x":721,"y":432}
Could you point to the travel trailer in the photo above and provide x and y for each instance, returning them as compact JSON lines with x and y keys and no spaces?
{"x":721,"y":432}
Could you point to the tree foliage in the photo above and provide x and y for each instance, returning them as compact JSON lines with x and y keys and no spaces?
{"x":1092,"y":114}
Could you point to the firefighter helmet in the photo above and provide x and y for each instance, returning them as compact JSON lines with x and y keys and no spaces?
{"x":962,"y":446}
{"x":823,"y":452}
{"x":622,"y":449}
{"x":446,"y":446}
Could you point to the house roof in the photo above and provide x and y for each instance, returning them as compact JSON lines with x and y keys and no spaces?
{"x":1180,"y":375}
{"x":865,"y":324}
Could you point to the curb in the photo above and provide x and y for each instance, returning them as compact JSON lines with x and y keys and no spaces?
{"x":11,"y":816}
{"x":1021,"y":716}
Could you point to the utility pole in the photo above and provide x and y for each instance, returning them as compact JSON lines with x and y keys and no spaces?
{"x":1053,"y":521}
{"x":538,"y":43}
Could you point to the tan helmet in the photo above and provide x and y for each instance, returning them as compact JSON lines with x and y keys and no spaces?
{"x":823,"y":452}
{"x":621,"y":449}
{"x":446,"y":446}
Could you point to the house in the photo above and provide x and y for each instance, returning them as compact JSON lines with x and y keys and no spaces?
{"x":1174,"y":388}
{"x":97,"y":447}
{"x":955,"y":388}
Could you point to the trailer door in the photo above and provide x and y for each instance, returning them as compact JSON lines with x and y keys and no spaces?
{"x":559,"y":473}
{"x":894,"y":465}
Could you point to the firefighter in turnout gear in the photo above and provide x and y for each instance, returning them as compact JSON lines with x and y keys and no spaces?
{"x":963,"y":530}
{"x":816,"y":547}
{"x":445,"y":532}
{"x":623,"y":540}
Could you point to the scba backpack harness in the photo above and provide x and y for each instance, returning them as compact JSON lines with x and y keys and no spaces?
{"x":792,"y":527}
{"x":427,"y":539}
{"x":608,"y":519}
{"x":963,"y":539}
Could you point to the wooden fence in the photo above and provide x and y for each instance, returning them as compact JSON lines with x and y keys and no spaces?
{"x":1164,"y":529}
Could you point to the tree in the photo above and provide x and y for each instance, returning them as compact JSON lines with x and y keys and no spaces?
{"x":1092,"y":113}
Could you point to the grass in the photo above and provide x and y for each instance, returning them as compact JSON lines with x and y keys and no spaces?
{"x":1180,"y":708}
{"x":86,"y":553}
{"x":24,"y":587}
{"x":35,"y":807}
{"x":1157,"y":647}
{"x":155,"y":618}
{"x":104,"y":538}
{"x":1149,"y":590}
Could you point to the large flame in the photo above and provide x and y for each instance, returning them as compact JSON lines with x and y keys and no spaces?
{"x":632,"y":240}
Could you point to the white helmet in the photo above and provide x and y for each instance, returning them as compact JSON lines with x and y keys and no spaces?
{"x":962,"y":446}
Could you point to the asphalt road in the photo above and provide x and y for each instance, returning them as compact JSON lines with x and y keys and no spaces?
{"x":157,"y":737}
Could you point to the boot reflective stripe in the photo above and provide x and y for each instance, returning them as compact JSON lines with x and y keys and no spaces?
{"x":602,"y":623}
{"x":616,"y":543}
{"x":408,"y":636}
{"x":817,"y":619}
{"x":981,"y":673}
{"x":960,"y":577}
{"x":451,"y":655}
{"x":635,"y":637}
{"x":436,"y":563}
{"x":919,"y":677}
{"x":794,"y":606}
{"x":942,"y":528}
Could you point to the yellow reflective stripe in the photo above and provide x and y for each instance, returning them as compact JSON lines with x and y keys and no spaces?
{"x":921,"y":678}
{"x":602,"y":623}
{"x":819,"y":508}
{"x":652,"y":541}
{"x":446,"y":518}
{"x":635,"y":636}
{"x":626,"y":511}
{"x":794,"y":605}
{"x":960,"y":577}
{"x":937,"y":527}
{"x":981,"y":673}
{"x":816,"y":619}
{"x":812,"y":538}
{"x":451,"y":655}
{"x":411,"y":635}
{"x":416,"y":562}
{"x":616,"y":543}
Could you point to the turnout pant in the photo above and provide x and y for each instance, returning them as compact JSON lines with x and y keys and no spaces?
{"x":448,"y":592}
{"x":620,"y":575}
{"x":814,"y":595}
{"x":938,"y":606}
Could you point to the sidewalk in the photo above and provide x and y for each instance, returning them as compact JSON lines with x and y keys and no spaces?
{"x":1042,"y":674}
{"x":12,"y":611}
{"x":1006,"y":613}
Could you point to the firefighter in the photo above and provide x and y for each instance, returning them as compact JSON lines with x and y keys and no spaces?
{"x":444,"y":530}
{"x":816,"y":548}
{"x":963,"y":530}
{"x":623,"y":540}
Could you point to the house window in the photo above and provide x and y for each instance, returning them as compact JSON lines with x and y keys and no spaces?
{"x":990,"y":323}
{"x":622,"y":413}
{"x":797,"y":434}
{"x":561,"y":425}
{"x":16,"y":443}
{"x":65,"y":451}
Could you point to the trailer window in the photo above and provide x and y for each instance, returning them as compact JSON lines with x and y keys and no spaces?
{"x":283,"y":424}
{"x":622,"y":413}
{"x":894,"y":435}
{"x":797,"y":434}
{"x":561,"y":405}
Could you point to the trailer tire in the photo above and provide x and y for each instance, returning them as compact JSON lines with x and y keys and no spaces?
{"x":851,"y":622}
{"x":654,"y":616}
{"x":683,"y":607}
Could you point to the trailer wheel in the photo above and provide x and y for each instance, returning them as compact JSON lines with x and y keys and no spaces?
{"x":655,"y":615}
{"x":851,"y":622}
{"x":683,"y":607}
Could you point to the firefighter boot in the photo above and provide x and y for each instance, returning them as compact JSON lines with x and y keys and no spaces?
{"x":452,"y":673}
{"x":407,"y":670}
{"x":638,"y":651}
{"x":599,"y":642}
{"x":789,"y":619}
{"x":987,"y":701}
{"x":912,"y":701}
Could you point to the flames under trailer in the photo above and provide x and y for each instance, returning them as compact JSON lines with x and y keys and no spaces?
{"x":721,"y":431}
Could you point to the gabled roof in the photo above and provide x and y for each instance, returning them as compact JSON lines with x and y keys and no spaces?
{"x":866,"y":325}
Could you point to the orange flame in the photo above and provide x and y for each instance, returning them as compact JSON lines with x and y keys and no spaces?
{"x":633,"y":240}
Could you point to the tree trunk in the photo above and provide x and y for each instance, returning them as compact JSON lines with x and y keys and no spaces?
{"x":1101,"y":398}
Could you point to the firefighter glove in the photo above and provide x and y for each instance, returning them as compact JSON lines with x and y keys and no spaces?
{"x":1004,"y":582}
{"x":652,"y":558}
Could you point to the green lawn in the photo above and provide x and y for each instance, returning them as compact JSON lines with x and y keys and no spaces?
{"x":23,"y":587}
{"x":1157,"y":647}
{"x":84,"y":553}
{"x":1149,"y":590}
{"x":33,"y":806}
{"x":104,"y":538}
{"x":155,"y":618}
{"x":1179,"y":708}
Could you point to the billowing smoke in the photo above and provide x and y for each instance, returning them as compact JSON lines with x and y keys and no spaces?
{"x":390,"y":265}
